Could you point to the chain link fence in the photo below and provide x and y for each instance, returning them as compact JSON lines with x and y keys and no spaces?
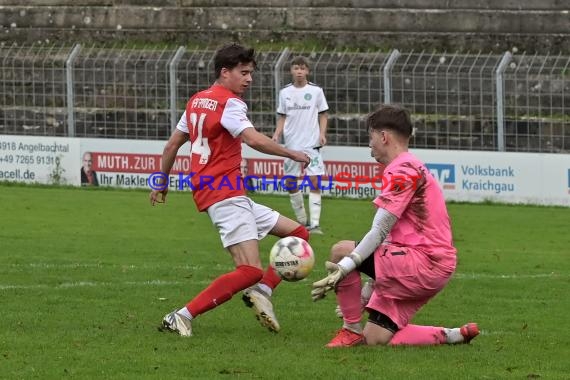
{"x":467,"y":101}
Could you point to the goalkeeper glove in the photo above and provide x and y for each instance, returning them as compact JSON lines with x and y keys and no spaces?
{"x":321,"y":287}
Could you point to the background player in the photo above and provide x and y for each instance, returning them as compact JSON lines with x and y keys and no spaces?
{"x":303,"y":123}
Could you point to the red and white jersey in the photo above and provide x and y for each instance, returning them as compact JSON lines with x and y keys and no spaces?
{"x":214,"y":118}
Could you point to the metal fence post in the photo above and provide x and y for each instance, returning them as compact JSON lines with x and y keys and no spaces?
{"x":277,"y":73}
{"x":69,"y":84}
{"x":173,"y":85}
{"x":394,"y":55}
{"x":500,"y":83}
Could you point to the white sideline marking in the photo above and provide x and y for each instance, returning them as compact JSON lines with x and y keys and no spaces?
{"x":98,"y":265}
{"x":229,"y":268}
{"x":79,"y":284}
{"x":499,"y":332}
{"x":474,"y":276}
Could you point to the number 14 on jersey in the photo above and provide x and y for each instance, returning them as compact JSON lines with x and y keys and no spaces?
{"x":199,"y":144}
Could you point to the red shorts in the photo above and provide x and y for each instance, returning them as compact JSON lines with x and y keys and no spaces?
{"x":406,"y":279}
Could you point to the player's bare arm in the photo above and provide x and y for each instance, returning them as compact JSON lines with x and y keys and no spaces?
{"x":323,"y":122}
{"x":279,"y":129}
{"x":264,"y":144}
{"x":176,"y":140}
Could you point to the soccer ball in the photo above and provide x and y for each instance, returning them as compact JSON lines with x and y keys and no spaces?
{"x":292,"y":258}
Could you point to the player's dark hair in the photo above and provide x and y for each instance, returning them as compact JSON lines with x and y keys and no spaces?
{"x":301,"y":61}
{"x":393,"y":117}
{"x":229,"y":56}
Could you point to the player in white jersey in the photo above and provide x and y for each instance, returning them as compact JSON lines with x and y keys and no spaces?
{"x":302,"y":122}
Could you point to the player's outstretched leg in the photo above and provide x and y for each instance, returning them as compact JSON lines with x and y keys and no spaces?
{"x":177,"y":323}
{"x":219,"y":291}
{"x":468,"y":332}
{"x":260,"y":302}
{"x":414,"y":335}
{"x":258,"y":297}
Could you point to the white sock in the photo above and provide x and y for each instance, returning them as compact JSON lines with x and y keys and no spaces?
{"x":315,"y":208}
{"x":354,"y":327}
{"x":299,"y":207}
{"x":185,"y":313}
{"x":265,"y":289}
{"x":453,"y":335}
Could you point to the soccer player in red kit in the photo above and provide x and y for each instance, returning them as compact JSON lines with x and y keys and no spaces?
{"x":216,"y":123}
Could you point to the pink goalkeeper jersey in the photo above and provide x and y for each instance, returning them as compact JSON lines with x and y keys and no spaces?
{"x":413,"y":195}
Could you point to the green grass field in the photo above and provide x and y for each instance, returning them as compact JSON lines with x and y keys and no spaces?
{"x":87,"y":275}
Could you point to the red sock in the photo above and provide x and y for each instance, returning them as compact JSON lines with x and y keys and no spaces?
{"x":272,"y":279}
{"x":223,"y":288}
{"x":300,"y":232}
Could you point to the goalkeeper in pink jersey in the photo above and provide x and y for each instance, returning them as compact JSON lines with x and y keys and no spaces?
{"x":408,"y":251}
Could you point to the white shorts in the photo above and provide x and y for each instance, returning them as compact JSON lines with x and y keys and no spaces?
{"x":239,"y":219}
{"x":316,"y":167}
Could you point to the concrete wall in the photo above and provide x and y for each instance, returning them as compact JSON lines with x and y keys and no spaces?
{"x":409,"y":4}
{"x":535,"y":26}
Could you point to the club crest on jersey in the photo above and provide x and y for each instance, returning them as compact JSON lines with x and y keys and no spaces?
{"x":308,"y":96}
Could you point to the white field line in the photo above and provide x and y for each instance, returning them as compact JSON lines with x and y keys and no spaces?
{"x":461,"y":275}
{"x":513,"y":276}
{"x":80,"y":284}
{"x":501,"y":333}
{"x":97,"y":265}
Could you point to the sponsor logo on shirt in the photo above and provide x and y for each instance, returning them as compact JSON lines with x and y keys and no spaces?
{"x":297,"y":107}
{"x":206,"y":103}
